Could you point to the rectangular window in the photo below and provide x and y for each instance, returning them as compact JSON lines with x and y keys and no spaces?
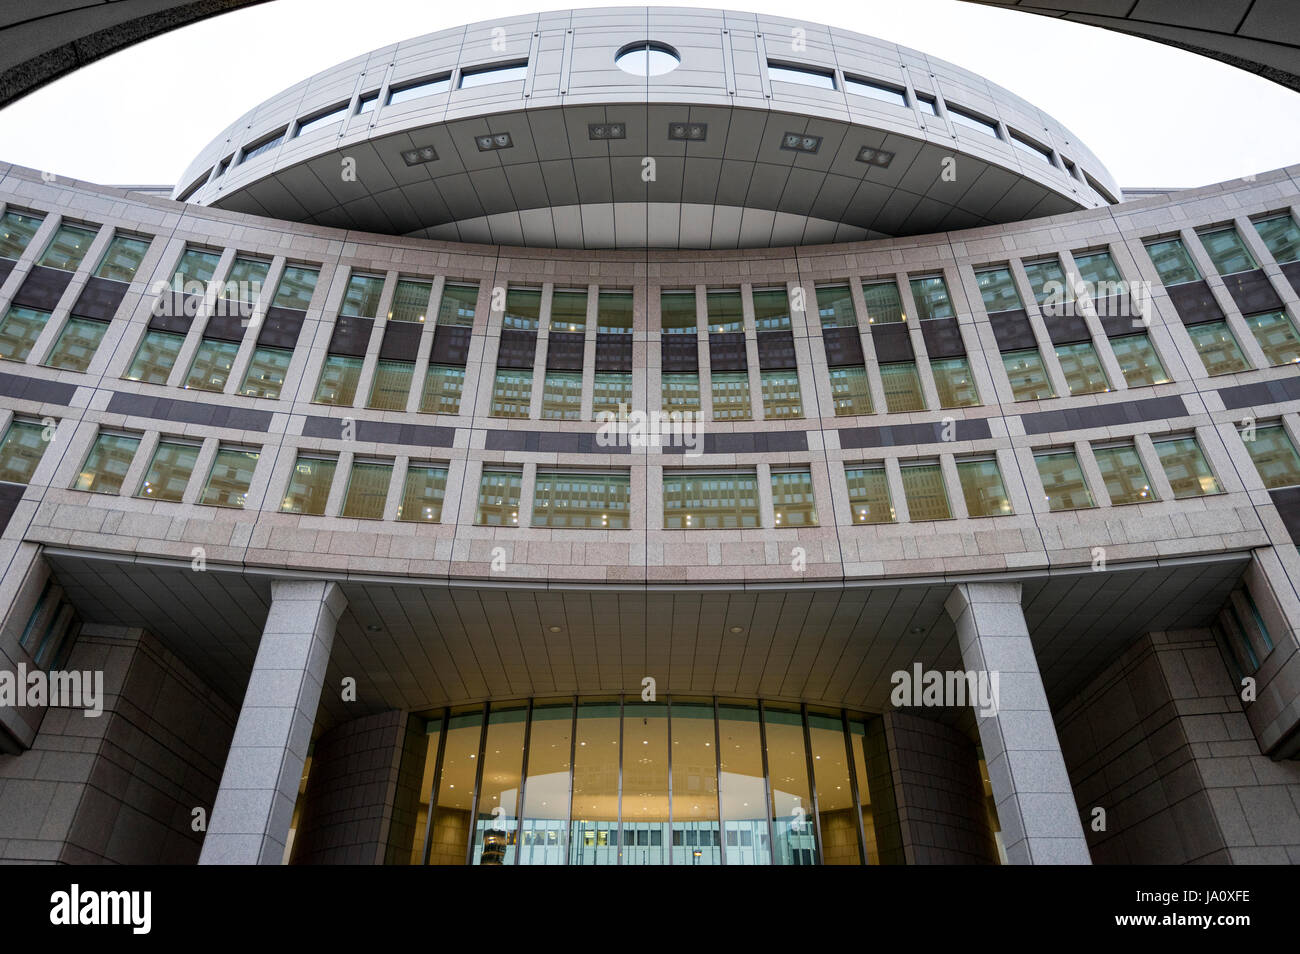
{"x":569,"y":310}
{"x":426,"y":87}
{"x":884,"y":306}
{"x":1276,"y":336}
{"x":211,"y":367}
{"x":1138,"y":361}
{"x":512,"y":393}
{"x":902,"y":387}
{"x":726,"y":314}
{"x":1064,"y":487}
{"x":338,"y":380}
{"x":835,"y":307}
{"x":1099,"y":271}
{"x":1280,"y":236}
{"x":16,"y":232}
{"x":391,"y":385}
{"x":327,"y":118}
{"x":503,"y":73}
{"x":1275,"y":457}
{"x":21,"y":450}
{"x":592,"y":501}
{"x":246,"y":278}
{"x":1031,"y":148}
{"x":1028,"y":375}
{"x":266,"y":371}
{"x":1123,"y":474}
{"x":792,"y":498}
{"x":523,"y":309}
{"x":1172,"y":262}
{"x":771,"y":309}
{"x":309,"y":485}
{"x":423,"y":493}
{"x":927,"y":104}
{"x":611,"y":388}
{"x":802,"y":75}
{"x":77,"y":344}
{"x":457,"y":306}
{"x":264,"y":146}
{"x":954,"y":382}
{"x":970,"y":120}
{"x":498,"y":498}
{"x":122,"y":259}
{"x":614,"y":312}
{"x":1227,"y":250}
{"x":677,"y":312}
{"x":68,"y":247}
{"x":230,"y":477}
{"x":443,"y":386}
{"x":998,"y":289}
{"x":782,"y":398}
{"x":410,"y":300}
{"x":681,"y":392}
{"x":731,"y":397}
{"x":362,"y":296}
{"x":869,"y":495}
{"x":1047,"y":281}
{"x":702,"y":501}
{"x":107,"y":463}
{"x":1188,"y":471}
{"x":366,"y":102}
{"x":196,"y":265}
{"x":297,"y":285}
{"x":169,"y":471}
{"x":367,"y":490}
{"x":1217,"y":347}
{"x":154,"y":358}
{"x":562,"y":396}
{"x":1082,"y":368}
{"x":879,"y":91}
{"x":931,"y":296}
{"x":19,"y":330}
{"x":851,"y":391}
{"x":982,"y":487}
{"x":925,"y":493}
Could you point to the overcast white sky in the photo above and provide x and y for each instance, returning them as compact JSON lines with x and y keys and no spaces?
{"x":1154,"y":115}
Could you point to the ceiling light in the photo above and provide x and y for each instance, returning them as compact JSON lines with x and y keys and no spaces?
{"x":688,"y":132}
{"x":875,"y":157}
{"x":419,"y":155}
{"x":737,"y":629}
{"x":606,"y":131}
{"x":801,"y":143}
{"x":554,"y":629}
{"x":493,"y":141}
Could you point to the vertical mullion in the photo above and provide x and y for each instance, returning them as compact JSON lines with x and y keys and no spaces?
{"x":768,"y":804}
{"x":853,"y":787}
{"x":523,"y":785}
{"x":573,"y":756}
{"x":812,"y":783}
{"x":478,"y":784}
{"x":717,"y":779}
{"x":669,"y":845}
{"x":437,"y":777}
{"x":619,"y":829}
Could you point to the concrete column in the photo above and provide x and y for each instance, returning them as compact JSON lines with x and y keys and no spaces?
{"x":1035,"y":803}
{"x":253,"y":809}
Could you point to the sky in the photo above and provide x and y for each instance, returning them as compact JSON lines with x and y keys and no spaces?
{"x":1156,"y":116}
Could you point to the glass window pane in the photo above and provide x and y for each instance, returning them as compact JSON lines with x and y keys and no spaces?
{"x":423,"y":493}
{"x":1276,"y":336}
{"x":1028,"y":376}
{"x":338,"y":380}
{"x":154,"y":359}
{"x":1138,"y":361}
{"x":569,"y":310}
{"x":1281,"y":236}
{"x":886,"y":94}
{"x":1188,"y":471}
{"x":998,"y":289}
{"x":677,"y":311}
{"x":410,"y":300}
{"x":230,"y":477}
{"x":614,"y":312}
{"x":924,"y":490}
{"x":981,"y":486}
{"x":931,"y":296}
{"x":954,"y":382}
{"x":1217,"y":347}
{"x":562,"y":396}
{"x":1099,"y":271}
{"x":835,"y":306}
{"x":455,"y":787}
{"x":297,"y":285}
{"x":1275,"y":457}
{"x":362,"y":296}
{"x":794,"y":828}
{"x":1063,"y":484}
{"x":681,"y":392}
{"x":196,"y":265}
{"x":212,"y":363}
{"x":367,"y":490}
{"x":611,"y":388}
{"x":21,"y":450}
{"x":971,"y":121}
{"x":542,"y":836}
{"x":742,"y":790}
{"x":851,"y":391}
{"x":1125,"y":477}
{"x":1082,"y":368}
{"x":122,"y":259}
{"x":883,"y":303}
{"x":1047,"y":281}
{"x":497,"y":822}
{"x":266,"y":370}
{"x":694,"y":501}
{"x":107,"y":463}
{"x":726,"y":314}
{"x":514,"y":72}
{"x":16,"y":231}
{"x":391,"y":385}
{"x":457,"y":306}
{"x":869,"y":495}
{"x":67,"y":248}
{"x":902,"y":387}
{"x":771,"y":309}
{"x":309,"y":485}
{"x":793,"y":500}
{"x":1173,"y":262}
{"x":19,"y":330}
{"x":523,"y":309}
{"x":594,"y":838}
{"x":1227,"y":251}
{"x":443,"y":385}
{"x":512,"y":393}
{"x":77,"y":344}
{"x":246,"y":278}
{"x":646,"y":838}
{"x":696,"y":835}
{"x":781,"y":395}
{"x":498,"y":499}
{"x":594,"y":501}
{"x":169,"y":471}
{"x":835,"y":809}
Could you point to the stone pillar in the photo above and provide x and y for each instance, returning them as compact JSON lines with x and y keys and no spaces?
{"x":251,"y":817}
{"x":1035,"y":803}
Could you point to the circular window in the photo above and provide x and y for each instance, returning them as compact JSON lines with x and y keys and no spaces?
{"x":647,"y":59}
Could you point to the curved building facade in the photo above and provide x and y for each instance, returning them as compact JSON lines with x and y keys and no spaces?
{"x":400,"y":548}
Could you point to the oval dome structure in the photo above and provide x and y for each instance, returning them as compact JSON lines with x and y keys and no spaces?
{"x":644,"y":127}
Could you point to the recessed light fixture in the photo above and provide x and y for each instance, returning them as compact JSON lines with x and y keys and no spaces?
{"x":688,"y":132}
{"x":737,"y":629}
{"x":419,"y":155}
{"x":493,"y":141}
{"x":875,"y":157}
{"x":606,"y":130}
{"x":801,"y":143}
{"x":554,"y":629}
{"x":374,"y":628}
